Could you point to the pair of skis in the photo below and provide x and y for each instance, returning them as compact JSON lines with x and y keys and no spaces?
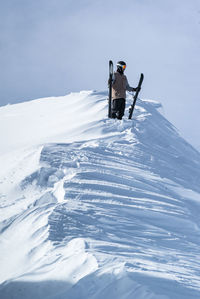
{"x":110,"y":92}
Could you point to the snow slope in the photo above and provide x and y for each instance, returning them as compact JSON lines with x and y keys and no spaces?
{"x":96,"y":208}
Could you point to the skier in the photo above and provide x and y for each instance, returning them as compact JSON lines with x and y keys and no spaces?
{"x":119,"y":87}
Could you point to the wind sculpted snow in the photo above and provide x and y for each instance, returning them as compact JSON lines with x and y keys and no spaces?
{"x":97,"y":208}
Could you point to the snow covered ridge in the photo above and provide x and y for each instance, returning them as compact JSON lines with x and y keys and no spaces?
{"x":94,"y":207}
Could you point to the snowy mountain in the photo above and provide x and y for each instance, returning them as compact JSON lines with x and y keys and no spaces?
{"x":94,"y":207}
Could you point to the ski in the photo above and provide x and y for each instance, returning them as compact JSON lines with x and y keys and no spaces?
{"x":135,"y":96}
{"x":110,"y":89}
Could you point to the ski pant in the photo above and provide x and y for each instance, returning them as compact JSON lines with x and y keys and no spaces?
{"x":118,"y":107}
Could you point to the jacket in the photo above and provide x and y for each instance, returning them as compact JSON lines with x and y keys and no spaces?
{"x":119,"y":86}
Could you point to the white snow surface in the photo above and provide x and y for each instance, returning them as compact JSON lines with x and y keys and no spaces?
{"x":96,"y":208}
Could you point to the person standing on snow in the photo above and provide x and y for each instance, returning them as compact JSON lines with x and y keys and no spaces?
{"x":119,"y":87}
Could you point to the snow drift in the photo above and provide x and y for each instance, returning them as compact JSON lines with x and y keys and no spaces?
{"x":94,"y":207}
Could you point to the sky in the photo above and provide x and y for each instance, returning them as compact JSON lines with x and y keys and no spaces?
{"x":53,"y":47}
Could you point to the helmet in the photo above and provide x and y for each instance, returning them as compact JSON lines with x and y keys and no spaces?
{"x":121,"y":66}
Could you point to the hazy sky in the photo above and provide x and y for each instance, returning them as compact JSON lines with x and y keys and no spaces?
{"x":52,"y":47}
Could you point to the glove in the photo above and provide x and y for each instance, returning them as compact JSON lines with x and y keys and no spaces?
{"x":136,"y":89}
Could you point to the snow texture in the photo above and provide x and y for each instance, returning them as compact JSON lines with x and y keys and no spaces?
{"x":96,"y":208}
